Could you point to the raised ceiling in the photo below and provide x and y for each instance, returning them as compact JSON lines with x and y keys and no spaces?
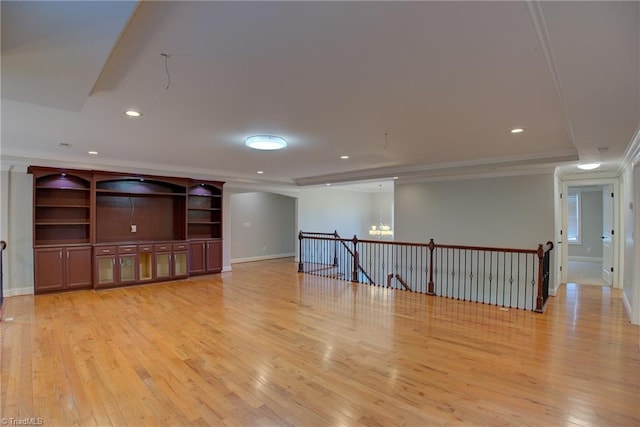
{"x":409,"y":89}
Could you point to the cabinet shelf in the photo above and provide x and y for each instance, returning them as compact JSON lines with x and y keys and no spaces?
{"x":132,"y":194}
{"x":47,"y":223}
{"x":204,"y":209}
{"x":49,"y":205}
{"x":204,"y":222}
{"x":43,"y":187}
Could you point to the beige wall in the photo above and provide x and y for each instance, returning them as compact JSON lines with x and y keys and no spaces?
{"x":515,"y":211}
{"x":17,"y":207}
{"x":263,"y":225}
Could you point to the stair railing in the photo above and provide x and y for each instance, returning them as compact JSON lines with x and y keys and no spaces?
{"x":506,"y":277}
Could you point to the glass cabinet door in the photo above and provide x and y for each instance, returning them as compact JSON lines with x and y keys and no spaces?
{"x":180,"y":266}
{"x":106,"y":272}
{"x":163,"y":265}
{"x":127,"y":268}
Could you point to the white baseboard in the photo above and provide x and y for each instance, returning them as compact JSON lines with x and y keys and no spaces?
{"x":226,"y":269}
{"x":584,"y":258}
{"x":16,"y":292}
{"x":262,"y":258}
{"x":627,"y":306}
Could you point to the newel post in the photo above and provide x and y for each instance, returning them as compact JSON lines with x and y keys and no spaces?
{"x":431,"y":246}
{"x":300,"y":264}
{"x":356,"y":260}
{"x":540,"y":297}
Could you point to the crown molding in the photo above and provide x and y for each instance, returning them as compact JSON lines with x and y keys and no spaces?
{"x":631,"y":155}
{"x":505,"y":166}
{"x":542,"y":34}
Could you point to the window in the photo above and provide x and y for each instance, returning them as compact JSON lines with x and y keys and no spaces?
{"x":573,"y":219}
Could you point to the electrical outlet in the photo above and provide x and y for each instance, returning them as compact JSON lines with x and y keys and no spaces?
{"x":134,"y":228}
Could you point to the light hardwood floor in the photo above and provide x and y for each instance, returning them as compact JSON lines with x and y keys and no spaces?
{"x":264,"y":345}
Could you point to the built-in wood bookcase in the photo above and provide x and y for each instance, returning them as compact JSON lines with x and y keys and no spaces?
{"x":102,"y":229}
{"x":204,"y":227}
{"x":204,"y":214}
{"x":62,"y":208}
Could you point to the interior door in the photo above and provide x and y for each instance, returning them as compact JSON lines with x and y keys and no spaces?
{"x":608,"y":234}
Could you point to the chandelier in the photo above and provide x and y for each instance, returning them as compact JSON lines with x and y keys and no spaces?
{"x":381,"y":230}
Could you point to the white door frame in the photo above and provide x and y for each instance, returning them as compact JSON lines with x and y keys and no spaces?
{"x":563,"y":255}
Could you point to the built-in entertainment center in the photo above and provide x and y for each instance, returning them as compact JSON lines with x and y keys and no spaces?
{"x":98,"y":229}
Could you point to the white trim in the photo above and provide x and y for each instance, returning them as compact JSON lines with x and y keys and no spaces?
{"x":14,"y":292}
{"x":632,"y":153}
{"x":226,"y":269}
{"x":262,"y":258}
{"x":584,"y":258}
{"x":627,"y":306}
{"x":542,"y":34}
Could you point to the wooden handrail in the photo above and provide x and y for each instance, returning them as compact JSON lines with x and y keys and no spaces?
{"x":316,"y":236}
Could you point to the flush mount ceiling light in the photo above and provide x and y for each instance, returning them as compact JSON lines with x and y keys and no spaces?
{"x":517,"y":130}
{"x":133,"y":113}
{"x":265,"y":142}
{"x":589,"y":166}
{"x":344,"y":157}
{"x":93,"y":152}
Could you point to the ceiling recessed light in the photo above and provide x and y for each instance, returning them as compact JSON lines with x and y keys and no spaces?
{"x":517,"y":130}
{"x":395,"y":177}
{"x":328,"y":184}
{"x":589,"y":166}
{"x":133,"y":113}
{"x":266,"y":142}
{"x":260,"y":172}
{"x":93,"y":152}
{"x":344,"y":157}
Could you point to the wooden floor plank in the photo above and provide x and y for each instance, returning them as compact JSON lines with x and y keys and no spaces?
{"x":264,"y":345}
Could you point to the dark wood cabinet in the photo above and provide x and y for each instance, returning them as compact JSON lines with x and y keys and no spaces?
{"x":205,"y":256}
{"x":62,"y":268}
{"x":214,"y":256}
{"x":140,"y":228}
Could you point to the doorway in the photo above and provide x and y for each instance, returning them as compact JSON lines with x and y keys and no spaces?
{"x":589,"y":233}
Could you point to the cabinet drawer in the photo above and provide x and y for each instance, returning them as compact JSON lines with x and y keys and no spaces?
{"x":145,"y":248}
{"x":129,"y":249}
{"x":105,"y":250}
{"x":162,"y":247}
{"x":180,"y":246}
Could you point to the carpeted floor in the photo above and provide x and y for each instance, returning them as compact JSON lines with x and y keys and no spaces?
{"x":585,"y":273}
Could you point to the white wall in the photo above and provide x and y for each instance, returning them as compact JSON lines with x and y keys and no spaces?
{"x":515,"y":211}
{"x":263,"y":225}
{"x":331,"y":209}
{"x":17,"y":231}
{"x":590,"y":224}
